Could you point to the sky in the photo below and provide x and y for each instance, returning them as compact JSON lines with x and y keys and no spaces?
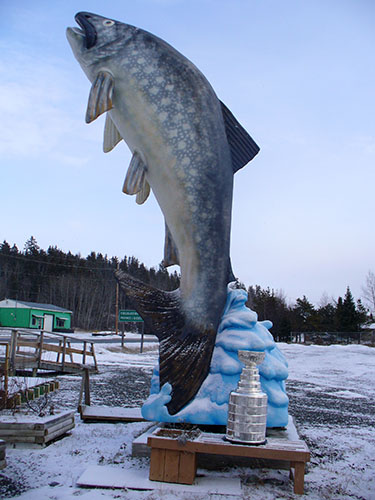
{"x":297,"y":74}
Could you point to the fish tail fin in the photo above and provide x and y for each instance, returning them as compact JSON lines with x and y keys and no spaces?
{"x":184,"y":350}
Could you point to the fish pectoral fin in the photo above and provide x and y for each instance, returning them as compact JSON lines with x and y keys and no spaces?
{"x":111,"y":135}
{"x":135,"y":176}
{"x":242,"y":147}
{"x":170,"y":250}
{"x":100,"y":98}
{"x":144,"y":193}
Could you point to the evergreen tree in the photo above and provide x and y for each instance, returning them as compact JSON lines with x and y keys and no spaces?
{"x":326,"y":318}
{"x":305,"y":319}
{"x":270,"y":305}
{"x":348,"y":319}
{"x":31,"y":247}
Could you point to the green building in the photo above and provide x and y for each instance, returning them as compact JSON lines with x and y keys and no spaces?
{"x":21,"y":314}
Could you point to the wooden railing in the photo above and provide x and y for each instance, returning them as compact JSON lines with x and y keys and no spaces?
{"x":36,"y":350}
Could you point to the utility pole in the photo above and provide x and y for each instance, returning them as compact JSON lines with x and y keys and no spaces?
{"x":117,"y":294}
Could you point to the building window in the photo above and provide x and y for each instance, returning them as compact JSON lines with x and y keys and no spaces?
{"x":60,"y":322}
{"x":35,"y":321}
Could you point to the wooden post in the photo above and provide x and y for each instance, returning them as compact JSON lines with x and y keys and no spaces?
{"x":123,"y":335}
{"x":93,"y":355}
{"x":70,"y":352}
{"x":87,"y":387}
{"x":13,"y":349}
{"x":58,"y":353}
{"x":6,"y":375}
{"x":41,"y":338}
{"x":142,"y":334}
{"x":84,"y":352}
{"x":299,"y":477}
{"x":63,"y":354}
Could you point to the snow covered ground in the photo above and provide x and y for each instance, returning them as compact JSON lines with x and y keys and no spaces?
{"x":332,"y":396}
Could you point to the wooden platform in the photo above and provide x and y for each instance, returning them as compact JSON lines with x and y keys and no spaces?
{"x":173,"y":459}
{"x":110,"y":414}
{"x":38,"y":431}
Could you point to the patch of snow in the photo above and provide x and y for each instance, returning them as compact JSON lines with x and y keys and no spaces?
{"x":342,"y":456}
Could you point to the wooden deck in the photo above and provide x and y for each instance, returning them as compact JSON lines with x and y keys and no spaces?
{"x":48,"y":351}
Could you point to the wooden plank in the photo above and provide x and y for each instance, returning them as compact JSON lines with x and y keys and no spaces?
{"x":55,"y":419}
{"x":111,"y":414}
{"x":16,"y":425}
{"x":69,"y":350}
{"x":171,"y":466}
{"x":225,"y":448}
{"x":6,"y":433}
{"x":52,"y":365}
{"x":157,"y":463}
{"x":54,"y":428}
{"x":59,"y":432}
{"x":21,"y":439}
{"x":187,"y":467}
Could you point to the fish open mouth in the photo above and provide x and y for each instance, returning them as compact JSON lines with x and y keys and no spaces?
{"x":88,"y":29}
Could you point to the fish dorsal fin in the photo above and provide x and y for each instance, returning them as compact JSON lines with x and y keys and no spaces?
{"x":135,"y":176}
{"x":143,"y":194}
{"x":111,"y":135}
{"x":242,"y":147}
{"x":170,"y":249}
{"x":100,"y":98}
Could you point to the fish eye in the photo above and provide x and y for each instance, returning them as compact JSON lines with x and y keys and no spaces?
{"x":108,"y":22}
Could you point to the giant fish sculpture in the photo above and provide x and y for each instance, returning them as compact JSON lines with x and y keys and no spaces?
{"x":186,"y":146}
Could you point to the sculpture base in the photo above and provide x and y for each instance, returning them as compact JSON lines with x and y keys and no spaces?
{"x":238,"y":330}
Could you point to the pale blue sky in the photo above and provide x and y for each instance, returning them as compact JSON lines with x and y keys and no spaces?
{"x":298,"y":74}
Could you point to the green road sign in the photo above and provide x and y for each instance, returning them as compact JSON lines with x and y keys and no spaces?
{"x":128,"y":315}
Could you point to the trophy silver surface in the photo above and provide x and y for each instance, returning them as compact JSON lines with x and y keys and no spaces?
{"x":247,"y":411}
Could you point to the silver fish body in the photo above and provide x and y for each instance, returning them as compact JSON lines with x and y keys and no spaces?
{"x":177,"y":129}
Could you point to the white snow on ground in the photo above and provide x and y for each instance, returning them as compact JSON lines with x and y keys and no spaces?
{"x":342,"y":465}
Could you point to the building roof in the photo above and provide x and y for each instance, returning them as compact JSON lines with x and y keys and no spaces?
{"x":32,"y":305}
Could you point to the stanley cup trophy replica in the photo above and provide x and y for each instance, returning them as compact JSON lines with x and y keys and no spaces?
{"x":247,"y":412}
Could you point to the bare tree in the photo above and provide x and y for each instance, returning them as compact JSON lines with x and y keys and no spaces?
{"x":368,"y":291}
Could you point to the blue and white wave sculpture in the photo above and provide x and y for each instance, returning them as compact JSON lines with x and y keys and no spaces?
{"x":239,"y":330}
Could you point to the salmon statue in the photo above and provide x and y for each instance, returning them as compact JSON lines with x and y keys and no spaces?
{"x":186,"y":146}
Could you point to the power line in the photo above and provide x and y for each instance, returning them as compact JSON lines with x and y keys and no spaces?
{"x":43,"y":262}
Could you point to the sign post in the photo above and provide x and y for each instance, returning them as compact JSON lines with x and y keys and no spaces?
{"x":130,"y":316}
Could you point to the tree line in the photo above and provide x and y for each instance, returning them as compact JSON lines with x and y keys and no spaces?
{"x":342,"y":315}
{"x":87,"y":286}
